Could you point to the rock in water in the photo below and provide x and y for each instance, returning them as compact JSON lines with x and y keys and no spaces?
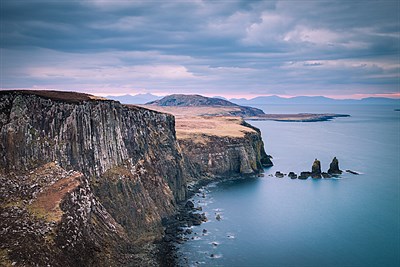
{"x":326,"y":175}
{"x":316,"y":169}
{"x":352,"y":172}
{"x":189,"y":205}
{"x":304,"y":175}
{"x":292,"y":175}
{"x":334,"y":167}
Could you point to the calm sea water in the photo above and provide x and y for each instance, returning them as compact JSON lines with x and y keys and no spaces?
{"x":351,"y":221}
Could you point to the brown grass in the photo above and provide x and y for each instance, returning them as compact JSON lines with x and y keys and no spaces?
{"x":197,"y":123}
{"x":196,"y":127}
{"x":47,"y":205}
{"x":69,"y":97}
{"x":193,"y":111}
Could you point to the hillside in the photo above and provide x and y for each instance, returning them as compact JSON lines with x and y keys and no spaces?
{"x":179,"y":100}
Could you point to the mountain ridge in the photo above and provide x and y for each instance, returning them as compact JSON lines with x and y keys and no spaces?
{"x":181,"y":100}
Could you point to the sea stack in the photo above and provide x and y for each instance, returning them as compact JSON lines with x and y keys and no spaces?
{"x":334,"y":167}
{"x":316,"y":169}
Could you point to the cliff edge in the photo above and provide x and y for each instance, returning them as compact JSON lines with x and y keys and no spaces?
{"x":86,"y":180}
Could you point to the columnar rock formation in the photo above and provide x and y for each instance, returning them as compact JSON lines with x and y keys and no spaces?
{"x":316,"y":169}
{"x":88,"y":181}
{"x":334,"y":167}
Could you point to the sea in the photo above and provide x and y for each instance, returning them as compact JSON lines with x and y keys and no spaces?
{"x":351,"y":220}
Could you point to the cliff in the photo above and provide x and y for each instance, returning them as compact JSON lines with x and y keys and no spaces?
{"x":221,"y":146}
{"x":215,"y":143}
{"x":86,"y":181}
{"x":121,"y":167}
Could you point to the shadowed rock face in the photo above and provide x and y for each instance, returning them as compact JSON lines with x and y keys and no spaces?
{"x":132,"y":175}
{"x":316,"y":169}
{"x":226,"y":156}
{"x":88,"y":181}
{"x":334,"y":167}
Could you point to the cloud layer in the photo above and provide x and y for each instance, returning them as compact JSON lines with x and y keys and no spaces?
{"x":231,"y":48}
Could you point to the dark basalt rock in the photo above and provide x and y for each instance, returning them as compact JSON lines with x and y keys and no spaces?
{"x":189,"y":205}
{"x":304,"y":175}
{"x":334,"y":167}
{"x":133,"y":175}
{"x":292,"y":175}
{"x":352,"y":172}
{"x":326,"y":175}
{"x":316,"y":169}
{"x":278,"y":174}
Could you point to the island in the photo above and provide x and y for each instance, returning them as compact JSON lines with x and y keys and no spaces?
{"x":197,"y":105}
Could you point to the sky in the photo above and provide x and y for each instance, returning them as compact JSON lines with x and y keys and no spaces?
{"x":339,"y":49}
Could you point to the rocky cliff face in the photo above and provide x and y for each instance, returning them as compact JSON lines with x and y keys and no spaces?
{"x":131,"y":175}
{"x":88,"y":181}
{"x":223,"y":156}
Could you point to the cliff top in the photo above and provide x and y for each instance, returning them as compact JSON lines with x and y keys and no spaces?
{"x":70,"y":97}
{"x":197,"y":128}
{"x":197,"y":122}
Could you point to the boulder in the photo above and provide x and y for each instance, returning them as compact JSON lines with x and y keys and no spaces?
{"x":189,"y":205}
{"x":326,"y":175}
{"x":279,"y":174}
{"x":352,"y":172}
{"x":292,"y":175}
{"x":188,"y":231}
{"x":316,"y":169}
{"x":304,"y":175}
{"x":334,"y":167}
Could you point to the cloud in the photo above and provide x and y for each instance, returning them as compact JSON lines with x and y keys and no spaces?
{"x":260,"y":47}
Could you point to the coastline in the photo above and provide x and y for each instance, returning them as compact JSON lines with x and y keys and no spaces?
{"x":299,"y":117}
{"x":174,"y":234}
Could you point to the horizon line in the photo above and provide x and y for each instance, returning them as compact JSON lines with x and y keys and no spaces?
{"x":227,"y":96}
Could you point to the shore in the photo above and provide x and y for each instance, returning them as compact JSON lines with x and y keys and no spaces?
{"x":176,"y":226}
{"x":300,"y":117}
{"x":217,"y":111}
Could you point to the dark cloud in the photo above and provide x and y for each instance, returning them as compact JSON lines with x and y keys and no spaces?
{"x":237,"y":47}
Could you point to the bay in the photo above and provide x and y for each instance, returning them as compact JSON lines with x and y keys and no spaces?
{"x":349,"y":221}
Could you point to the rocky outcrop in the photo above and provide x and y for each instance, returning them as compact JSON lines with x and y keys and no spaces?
{"x":334,"y":167}
{"x":132,"y":175}
{"x":226,"y":156}
{"x":316,"y":169}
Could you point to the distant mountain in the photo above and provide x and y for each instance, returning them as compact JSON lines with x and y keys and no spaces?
{"x":190,"y":100}
{"x":134,"y":99}
{"x":179,"y":100}
{"x":220,"y":97}
{"x":314,"y":100}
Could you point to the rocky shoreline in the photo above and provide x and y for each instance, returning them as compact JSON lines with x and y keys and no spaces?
{"x":178,"y":226}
